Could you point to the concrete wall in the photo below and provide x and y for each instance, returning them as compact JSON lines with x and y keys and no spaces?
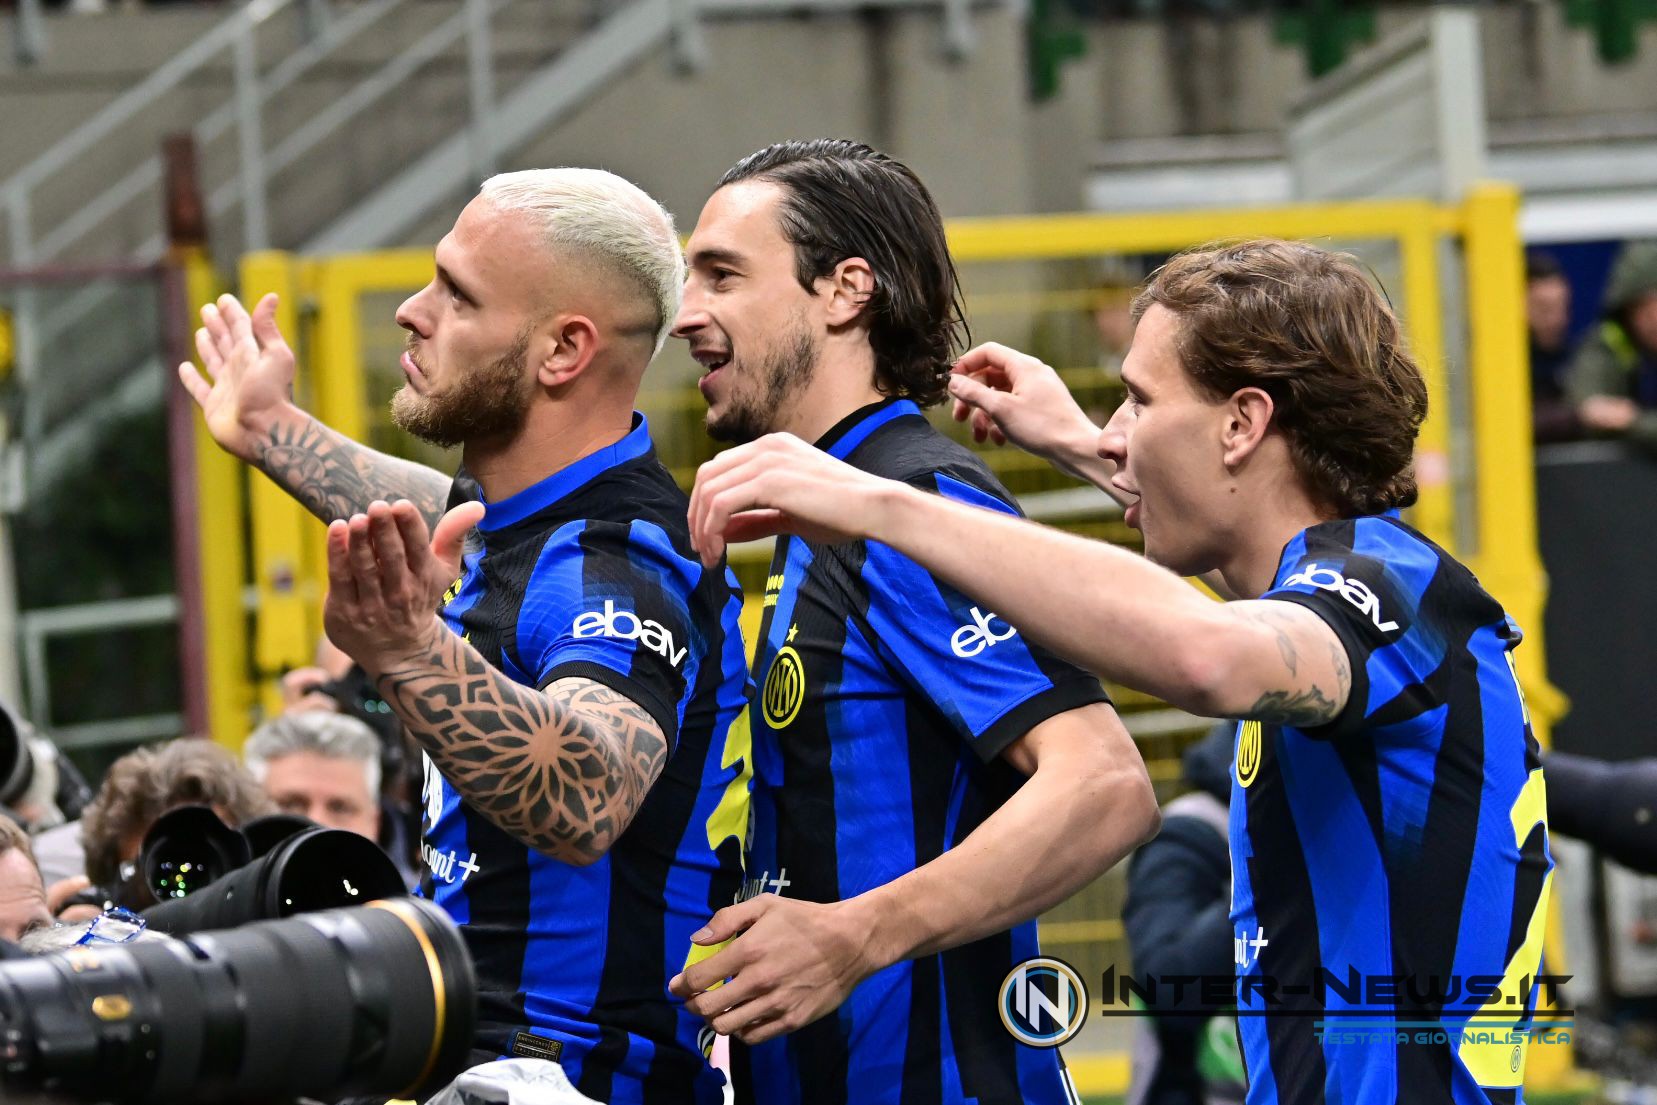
{"x":967,"y":126}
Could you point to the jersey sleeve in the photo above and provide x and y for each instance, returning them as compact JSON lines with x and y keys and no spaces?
{"x":1373,"y":603}
{"x":991,"y":684}
{"x":612,"y":602}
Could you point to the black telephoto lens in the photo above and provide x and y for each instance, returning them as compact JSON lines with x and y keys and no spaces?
{"x":374,"y":1000}
{"x":314,"y":870}
{"x":187,"y":849}
{"x":17,"y":764}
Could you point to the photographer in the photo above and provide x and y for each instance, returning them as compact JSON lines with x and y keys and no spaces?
{"x":326,"y":766}
{"x":144,"y":784}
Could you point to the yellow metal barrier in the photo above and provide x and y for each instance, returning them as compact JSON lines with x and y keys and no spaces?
{"x":1023,"y":275}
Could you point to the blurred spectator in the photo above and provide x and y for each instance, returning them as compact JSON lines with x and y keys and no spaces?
{"x":303,"y":688}
{"x":320,"y":765}
{"x":1177,"y":919}
{"x":1613,"y":378}
{"x":22,"y":894}
{"x":143,"y":785}
{"x":1113,"y":322}
{"x":1548,"y":318}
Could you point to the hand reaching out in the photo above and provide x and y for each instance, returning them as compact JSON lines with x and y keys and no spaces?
{"x":250,"y":370}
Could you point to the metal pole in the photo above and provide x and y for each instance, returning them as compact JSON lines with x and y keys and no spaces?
{"x":14,"y":453}
{"x":255,"y":227}
{"x":30,"y":42}
{"x":181,"y":464}
{"x":690,"y":46}
{"x":480,"y":69}
{"x":960,"y":38}
{"x":317,"y":17}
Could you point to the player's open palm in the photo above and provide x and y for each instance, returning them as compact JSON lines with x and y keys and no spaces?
{"x":249,"y":372}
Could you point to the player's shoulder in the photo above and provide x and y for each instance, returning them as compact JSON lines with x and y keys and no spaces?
{"x":911,"y":450}
{"x":1390,"y":558}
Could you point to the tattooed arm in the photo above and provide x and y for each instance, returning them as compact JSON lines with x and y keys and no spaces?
{"x":334,"y":477}
{"x":250,"y":412}
{"x":562,"y":770}
{"x":1104,"y":608}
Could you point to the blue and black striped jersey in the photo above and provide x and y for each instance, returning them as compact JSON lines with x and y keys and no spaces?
{"x":886,"y":699}
{"x":1391,"y":869}
{"x":590,"y":574}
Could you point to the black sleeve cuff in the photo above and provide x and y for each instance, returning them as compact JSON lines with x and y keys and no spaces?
{"x":1071,"y":694}
{"x":665,"y":714}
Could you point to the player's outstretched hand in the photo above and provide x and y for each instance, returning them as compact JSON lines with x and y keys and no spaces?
{"x":1011,"y":396}
{"x":790,"y":963}
{"x":249,"y":380}
{"x":385,"y":581}
{"x":779,"y":484}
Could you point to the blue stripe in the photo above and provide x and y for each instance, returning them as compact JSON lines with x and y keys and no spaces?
{"x":564,"y":956}
{"x":538,"y":496}
{"x":918,"y":622}
{"x":859,"y":433}
{"x":869,"y":757}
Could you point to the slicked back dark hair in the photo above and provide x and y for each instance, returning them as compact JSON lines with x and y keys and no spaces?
{"x":845,"y":199}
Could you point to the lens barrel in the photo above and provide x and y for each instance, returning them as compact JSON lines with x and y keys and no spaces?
{"x":379,"y":999}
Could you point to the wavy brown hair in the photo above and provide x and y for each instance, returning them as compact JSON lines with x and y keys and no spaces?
{"x":1303,"y":325}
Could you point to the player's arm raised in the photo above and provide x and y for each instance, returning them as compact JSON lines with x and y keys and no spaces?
{"x":563,"y":769}
{"x":247,"y":399}
{"x":1106,"y":609}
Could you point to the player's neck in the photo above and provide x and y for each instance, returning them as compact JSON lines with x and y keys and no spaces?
{"x":841,"y":382}
{"x":1263,"y":525}
{"x":551,"y":439}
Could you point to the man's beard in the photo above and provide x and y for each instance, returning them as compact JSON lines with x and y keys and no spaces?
{"x":786,"y":370}
{"x":487,"y":402}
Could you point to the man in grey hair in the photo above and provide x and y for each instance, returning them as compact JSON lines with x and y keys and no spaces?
{"x":320,"y":765}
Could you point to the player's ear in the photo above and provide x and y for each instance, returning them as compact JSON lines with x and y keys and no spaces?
{"x":1248,"y":415}
{"x":565,"y":346}
{"x":846,"y":290}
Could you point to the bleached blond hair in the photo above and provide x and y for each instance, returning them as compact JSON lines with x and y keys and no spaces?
{"x":607,"y":217}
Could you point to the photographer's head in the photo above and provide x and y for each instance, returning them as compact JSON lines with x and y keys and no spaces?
{"x":320,"y":765}
{"x":143,"y":785}
{"x":1266,"y":378}
{"x":819,"y":279}
{"x":22,"y":894}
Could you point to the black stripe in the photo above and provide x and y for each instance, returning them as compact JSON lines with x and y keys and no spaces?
{"x":1285,"y":910}
{"x":929,"y":789}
